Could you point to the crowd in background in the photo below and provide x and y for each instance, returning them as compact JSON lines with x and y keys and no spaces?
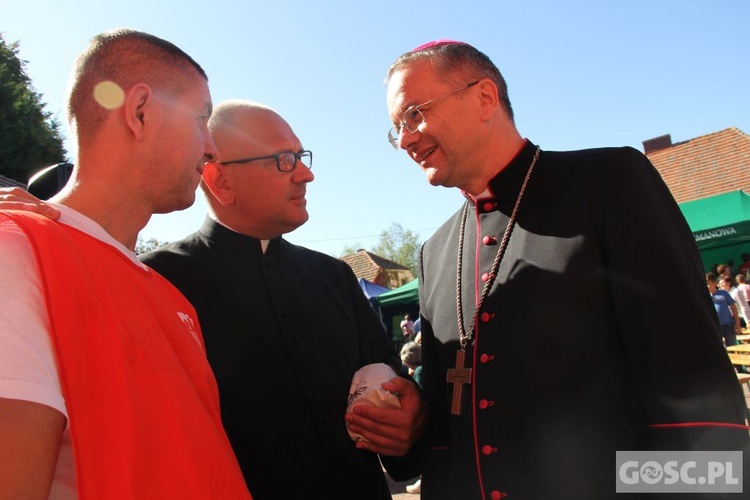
{"x":730,"y":293}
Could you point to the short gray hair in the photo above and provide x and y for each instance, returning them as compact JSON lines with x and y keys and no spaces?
{"x":411,"y":354}
{"x":457,"y":60}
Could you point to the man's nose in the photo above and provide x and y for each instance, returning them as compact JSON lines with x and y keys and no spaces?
{"x":303,"y":173}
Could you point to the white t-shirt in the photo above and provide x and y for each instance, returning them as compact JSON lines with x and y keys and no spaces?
{"x":28,"y":370}
{"x":743,"y":307}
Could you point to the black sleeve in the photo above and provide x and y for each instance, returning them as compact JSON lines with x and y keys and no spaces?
{"x":665,"y":318}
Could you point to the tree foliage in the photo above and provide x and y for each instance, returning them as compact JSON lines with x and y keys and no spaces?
{"x":350,"y":249}
{"x":29,"y":136}
{"x":145,"y":246}
{"x":399,"y":245}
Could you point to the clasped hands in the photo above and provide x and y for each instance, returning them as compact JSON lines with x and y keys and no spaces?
{"x":391,"y":431}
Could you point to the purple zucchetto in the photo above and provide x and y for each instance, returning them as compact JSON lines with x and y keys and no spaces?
{"x":437,"y":43}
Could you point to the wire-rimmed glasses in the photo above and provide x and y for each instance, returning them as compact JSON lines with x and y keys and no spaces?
{"x":412,"y":118}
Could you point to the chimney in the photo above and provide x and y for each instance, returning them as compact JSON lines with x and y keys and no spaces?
{"x":657,"y":143}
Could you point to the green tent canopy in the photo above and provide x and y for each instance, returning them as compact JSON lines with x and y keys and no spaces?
{"x":403,"y":295}
{"x":394,"y":304}
{"x":720,"y":225}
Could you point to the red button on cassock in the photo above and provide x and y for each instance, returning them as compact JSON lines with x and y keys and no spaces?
{"x":488,"y":206}
{"x":498,"y":495}
{"x":485,"y":276}
{"x":485,"y":317}
{"x":488,"y":450}
{"x":489,"y":240}
{"x":484,"y":358}
{"x":485,"y":403}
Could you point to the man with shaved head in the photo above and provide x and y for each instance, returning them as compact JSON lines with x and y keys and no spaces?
{"x":286,"y":327}
{"x":105,"y":390}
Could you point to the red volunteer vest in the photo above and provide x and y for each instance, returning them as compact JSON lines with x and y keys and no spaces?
{"x":141,"y":398}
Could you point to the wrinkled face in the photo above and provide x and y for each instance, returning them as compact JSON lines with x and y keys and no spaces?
{"x":440,"y":145}
{"x":182,"y":145}
{"x":271,"y":203}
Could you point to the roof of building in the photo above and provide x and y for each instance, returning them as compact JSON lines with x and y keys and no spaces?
{"x":368,"y":265}
{"x":708,"y":165}
{"x":8,"y":182}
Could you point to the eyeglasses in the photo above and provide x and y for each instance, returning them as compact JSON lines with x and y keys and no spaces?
{"x":413,"y":117}
{"x":286,"y":161}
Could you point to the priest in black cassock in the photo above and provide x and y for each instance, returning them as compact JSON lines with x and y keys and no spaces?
{"x":565,"y":315}
{"x":285,"y":327}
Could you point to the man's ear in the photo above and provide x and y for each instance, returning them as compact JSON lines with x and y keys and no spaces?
{"x":488,"y":98}
{"x":218,"y":182}
{"x":139,"y":100}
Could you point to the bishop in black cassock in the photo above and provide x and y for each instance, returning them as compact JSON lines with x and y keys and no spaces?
{"x":598,"y":334}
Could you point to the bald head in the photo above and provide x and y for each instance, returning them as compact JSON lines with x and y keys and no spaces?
{"x":238,"y":127}
{"x":254,"y":197}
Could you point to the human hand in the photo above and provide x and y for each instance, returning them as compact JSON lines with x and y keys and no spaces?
{"x":390,"y":431}
{"x":18,"y":199}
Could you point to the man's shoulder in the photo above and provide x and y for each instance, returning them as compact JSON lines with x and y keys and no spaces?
{"x":303,"y":260}
{"x":45,"y":234}
{"x":15,"y":220}
{"x":595,"y":158}
{"x":310,"y":254}
{"x":595,"y":153}
{"x":184,"y":249}
{"x":614,"y":172}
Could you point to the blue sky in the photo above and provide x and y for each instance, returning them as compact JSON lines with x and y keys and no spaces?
{"x":580,"y":74}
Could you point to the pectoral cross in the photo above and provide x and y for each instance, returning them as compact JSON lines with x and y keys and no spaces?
{"x":458,"y":376}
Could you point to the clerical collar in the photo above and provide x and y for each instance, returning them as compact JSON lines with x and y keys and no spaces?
{"x":263,"y":243}
{"x":484,"y":194}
